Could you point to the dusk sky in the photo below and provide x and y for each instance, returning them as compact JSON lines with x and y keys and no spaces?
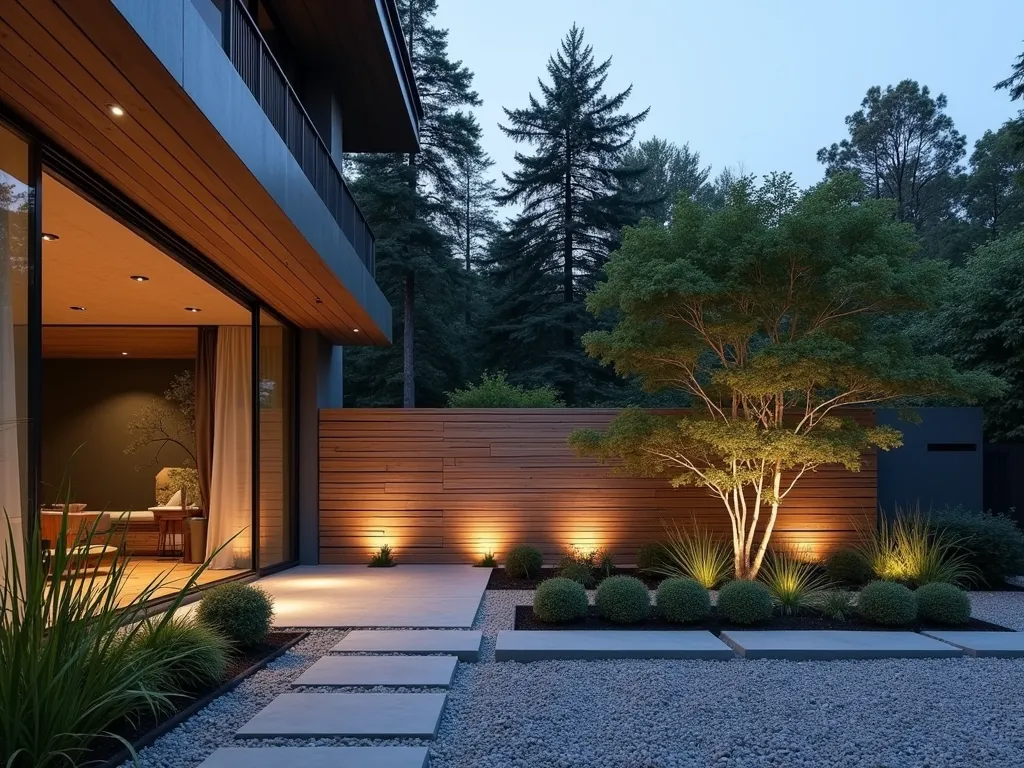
{"x":762,"y":84}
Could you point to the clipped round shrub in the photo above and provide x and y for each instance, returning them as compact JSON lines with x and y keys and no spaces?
{"x":943,"y":604}
{"x":886,"y":602}
{"x":559,"y":600}
{"x":523,"y":562}
{"x":578,"y":572}
{"x":650,"y":556}
{"x":184,"y":654}
{"x":623,"y":600}
{"x":745,"y":602}
{"x":240,"y":612}
{"x":848,"y":566}
{"x":683,"y":600}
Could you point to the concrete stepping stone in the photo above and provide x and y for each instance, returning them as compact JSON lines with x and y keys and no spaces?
{"x":811,"y":645}
{"x":424,"y":671}
{"x":465,"y":644}
{"x":349,"y":715}
{"x":1004,"y":645}
{"x":539,"y":645}
{"x":318,"y":757}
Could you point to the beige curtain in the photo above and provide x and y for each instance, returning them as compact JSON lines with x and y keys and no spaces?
{"x":10,"y":456}
{"x":230,"y":510}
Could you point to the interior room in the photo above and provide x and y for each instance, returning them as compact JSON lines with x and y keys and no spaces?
{"x":147,"y":412}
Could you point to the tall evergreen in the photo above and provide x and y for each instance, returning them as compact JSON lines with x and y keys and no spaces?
{"x":412,"y":203}
{"x":666,"y":171}
{"x":573,"y":193}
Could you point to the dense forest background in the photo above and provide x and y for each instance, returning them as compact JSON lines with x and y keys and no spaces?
{"x":475,"y":291}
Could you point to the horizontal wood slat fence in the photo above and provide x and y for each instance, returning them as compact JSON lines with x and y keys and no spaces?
{"x":446,"y":486}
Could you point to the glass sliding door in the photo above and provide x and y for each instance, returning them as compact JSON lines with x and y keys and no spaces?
{"x":15,"y":201}
{"x":276,"y":425}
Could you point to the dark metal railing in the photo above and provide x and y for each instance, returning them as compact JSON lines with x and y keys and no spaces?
{"x":251,"y":57}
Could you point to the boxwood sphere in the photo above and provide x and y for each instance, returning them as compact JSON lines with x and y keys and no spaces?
{"x":623,"y":600}
{"x":745,"y":602}
{"x":240,"y":612}
{"x":848,"y":566}
{"x":523,"y":562}
{"x":886,"y":602}
{"x":683,"y":600}
{"x":559,"y":600}
{"x":943,"y":604}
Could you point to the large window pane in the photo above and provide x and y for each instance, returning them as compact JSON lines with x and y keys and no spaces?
{"x":276,"y":398}
{"x":14,"y":237}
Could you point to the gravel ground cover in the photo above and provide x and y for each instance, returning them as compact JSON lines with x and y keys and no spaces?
{"x":677,"y":714}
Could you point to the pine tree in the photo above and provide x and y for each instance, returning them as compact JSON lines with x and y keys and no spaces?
{"x":667,"y":171}
{"x":574,"y":195}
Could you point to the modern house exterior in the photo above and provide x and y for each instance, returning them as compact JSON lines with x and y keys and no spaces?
{"x":180,"y":257}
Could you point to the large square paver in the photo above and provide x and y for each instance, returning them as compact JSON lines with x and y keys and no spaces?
{"x":462,"y":643}
{"x":1006,"y":645}
{"x":355,"y":715}
{"x":318,"y":757}
{"x":440,"y":596}
{"x":538,"y":645}
{"x":424,"y":671}
{"x":811,"y":645}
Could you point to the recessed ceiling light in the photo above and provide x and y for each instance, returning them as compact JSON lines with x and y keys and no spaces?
{"x":116,"y":110}
{"x":78,"y":309}
{"x":124,"y":353}
{"x":193,"y":309}
{"x":49,"y":237}
{"x":355,"y":330}
{"x":139,"y":278}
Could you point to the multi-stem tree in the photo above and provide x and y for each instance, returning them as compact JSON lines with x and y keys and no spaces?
{"x":767,"y":313}
{"x":571,"y":193}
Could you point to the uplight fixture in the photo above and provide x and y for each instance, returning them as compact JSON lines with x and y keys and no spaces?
{"x":193,"y":309}
{"x":77,"y":308}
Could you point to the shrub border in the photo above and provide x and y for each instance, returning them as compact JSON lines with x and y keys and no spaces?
{"x":179,"y":717}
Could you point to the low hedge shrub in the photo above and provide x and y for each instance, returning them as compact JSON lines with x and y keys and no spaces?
{"x":650,"y":556}
{"x":745,"y":602}
{"x":888,"y":603}
{"x":994,"y":544}
{"x":578,"y":572}
{"x":559,"y":600}
{"x":848,"y":566}
{"x":523,"y":562}
{"x":683,"y":601}
{"x":943,"y":604}
{"x":623,"y":600}
{"x":241,"y":612}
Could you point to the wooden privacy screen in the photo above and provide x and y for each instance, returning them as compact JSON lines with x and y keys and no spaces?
{"x":446,"y":486}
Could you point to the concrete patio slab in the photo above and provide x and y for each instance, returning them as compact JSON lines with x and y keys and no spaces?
{"x":812,"y":645}
{"x":435,"y":671}
{"x":1003,"y":645}
{"x":350,"y":715}
{"x":465,"y":644}
{"x":416,"y":596}
{"x":318,"y":757}
{"x":607,"y":644}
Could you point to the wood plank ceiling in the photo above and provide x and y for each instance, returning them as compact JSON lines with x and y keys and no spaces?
{"x":64,"y":61}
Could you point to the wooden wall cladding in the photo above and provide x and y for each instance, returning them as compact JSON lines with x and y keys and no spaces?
{"x":446,"y":486}
{"x":104,"y":341}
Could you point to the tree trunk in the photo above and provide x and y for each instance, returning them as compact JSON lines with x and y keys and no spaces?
{"x":567,"y":279}
{"x":408,"y":344}
{"x":469,"y":237}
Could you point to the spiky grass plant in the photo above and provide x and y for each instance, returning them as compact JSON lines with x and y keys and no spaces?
{"x":837,"y":604}
{"x":795,"y":583}
{"x":383,"y":557}
{"x":908,"y":548}
{"x":70,"y":661}
{"x":489,"y":560}
{"x":697,"y":555}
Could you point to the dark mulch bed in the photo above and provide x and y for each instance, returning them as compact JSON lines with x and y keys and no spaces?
{"x":811,"y":620}
{"x":240,"y":666}
{"x":500,"y":580}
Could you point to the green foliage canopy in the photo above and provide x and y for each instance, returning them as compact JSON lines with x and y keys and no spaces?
{"x":766,"y":312}
{"x":495,"y":391}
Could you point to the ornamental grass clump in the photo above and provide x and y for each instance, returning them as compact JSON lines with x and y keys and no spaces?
{"x":383,"y":557}
{"x":943,"y":604}
{"x":745,"y":602}
{"x":523,"y":562}
{"x":241,"y":612}
{"x":887,"y":603}
{"x":560,"y":600}
{"x":849,"y":566}
{"x":194,"y":655}
{"x":71,"y":655}
{"x":909,"y":548}
{"x":837,"y":604}
{"x":683,"y":601}
{"x":794,"y":584}
{"x":697,"y":555}
{"x":623,"y":600}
